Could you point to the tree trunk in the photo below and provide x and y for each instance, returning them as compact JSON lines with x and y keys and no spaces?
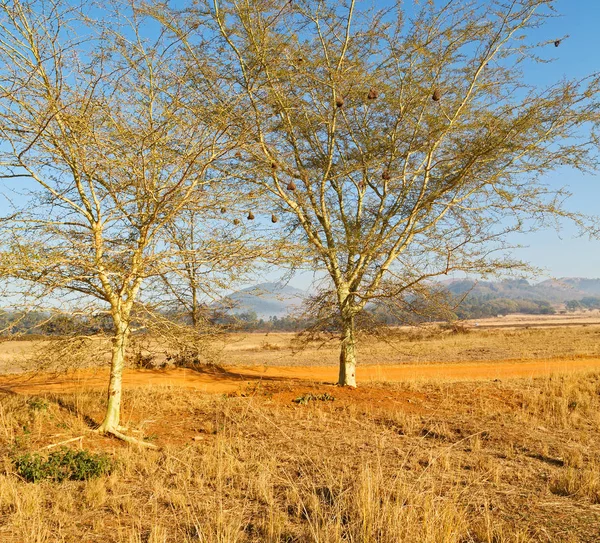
{"x":113,"y":410}
{"x":347,"y":375}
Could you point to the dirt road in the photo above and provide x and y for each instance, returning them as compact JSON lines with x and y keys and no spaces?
{"x":223,"y":380}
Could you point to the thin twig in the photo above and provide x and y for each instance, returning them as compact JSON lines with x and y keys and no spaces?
{"x":80,"y":438}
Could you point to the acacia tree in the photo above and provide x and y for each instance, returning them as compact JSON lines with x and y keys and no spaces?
{"x":400,"y":146}
{"x":100,"y":134}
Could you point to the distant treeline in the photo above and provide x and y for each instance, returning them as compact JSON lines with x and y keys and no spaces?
{"x":250,"y":322}
{"x":478,"y":308}
{"x":45,"y":324}
{"x":42,"y":323}
{"x":589,"y":302}
{"x":472,"y":307}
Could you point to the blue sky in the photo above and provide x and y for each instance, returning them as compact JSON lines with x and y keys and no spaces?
{"x":566,"y":254}
{"x":560,"y":254}
{"x":563,"y":253}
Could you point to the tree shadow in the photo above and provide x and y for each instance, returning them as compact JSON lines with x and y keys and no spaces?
{"x":547,"y":459}
{"x":7,"y":391}
{"x":220,"y":373}
{"x":72,"y":409}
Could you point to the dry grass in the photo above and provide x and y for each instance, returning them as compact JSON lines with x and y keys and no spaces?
{"x":428,"y":344}
{"x":420,"y":345}
{"x":431,"y":462}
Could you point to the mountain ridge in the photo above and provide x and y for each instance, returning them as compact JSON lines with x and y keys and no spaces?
{"x":555,"y":290}
{"x":276,"y":299}
{"x":270,"y":299}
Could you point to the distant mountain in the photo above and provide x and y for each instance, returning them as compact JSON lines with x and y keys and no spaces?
{"x":266,"y":300}
{"x":278,"y":300}
{"x":551,"y":290}
{"x":570,"y":285}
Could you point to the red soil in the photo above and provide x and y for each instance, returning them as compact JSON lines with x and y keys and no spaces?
{"x":232,"y":379}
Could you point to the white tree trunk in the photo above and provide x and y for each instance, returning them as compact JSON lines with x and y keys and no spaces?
{"x":347,"y":376}
{"x":113,"y":410}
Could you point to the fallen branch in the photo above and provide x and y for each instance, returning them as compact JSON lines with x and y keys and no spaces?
{"x":80,"y":438}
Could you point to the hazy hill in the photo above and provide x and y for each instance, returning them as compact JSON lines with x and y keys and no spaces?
{"x":550,"y":290}
{"x":277,"y":299}
{"x":266,"y":300}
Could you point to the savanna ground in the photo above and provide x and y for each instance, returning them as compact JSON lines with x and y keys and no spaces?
{"x":439,"y":457}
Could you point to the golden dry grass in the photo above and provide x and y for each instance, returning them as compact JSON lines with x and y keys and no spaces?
{"x":493,"y":462}
{"x":419,"y":345}
{"x":430,"y":344}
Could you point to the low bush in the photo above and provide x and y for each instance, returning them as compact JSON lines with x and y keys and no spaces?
{"x":61,"y":465}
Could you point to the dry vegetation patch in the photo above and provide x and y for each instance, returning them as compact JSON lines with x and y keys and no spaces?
{"x":513,"y":461}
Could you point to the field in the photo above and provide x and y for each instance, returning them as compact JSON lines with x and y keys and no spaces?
{"x":514,"y":338}
{"x":490,"y":435}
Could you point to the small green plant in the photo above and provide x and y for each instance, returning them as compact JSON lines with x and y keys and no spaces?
{"x":61,"y":465}
{"x":38,"y":404}
{"x":309,"y":397}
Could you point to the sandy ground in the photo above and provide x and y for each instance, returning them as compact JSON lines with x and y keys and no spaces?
{"x":226,"y":380}
{"x":518,"y":320}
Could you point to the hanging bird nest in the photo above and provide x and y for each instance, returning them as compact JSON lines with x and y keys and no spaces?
{"x":291,"y":186}
{"x":373,"y":94}
{"x":557,"y":43}
{"x":250,"y":216}
{"x":386,"y":176}
{"x":339,"y":102}
{"x":274,"y":218}
{"x":238,"y":155}
{"x":437,"y":94}
{"x":236,"y":222}
{"x":223,"y":210}
{"x":273,"y":165}
{"x":362,"y":185}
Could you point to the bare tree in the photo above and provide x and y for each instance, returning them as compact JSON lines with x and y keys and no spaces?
{"x":206,"y":264}
{"x":108,"y":151}
{"x":401,"y":147}
{"x":185,"y":301}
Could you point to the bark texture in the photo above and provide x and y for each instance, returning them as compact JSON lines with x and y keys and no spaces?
{"x":347,"y":375}
{"x":113,"y":410}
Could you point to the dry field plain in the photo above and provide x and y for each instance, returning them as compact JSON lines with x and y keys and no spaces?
{"x":487,"y":436}
{"x":515,"y":337}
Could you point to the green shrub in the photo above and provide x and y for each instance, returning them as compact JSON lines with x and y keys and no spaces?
{"x":38,"y":404}
{"x":61,"y":465}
